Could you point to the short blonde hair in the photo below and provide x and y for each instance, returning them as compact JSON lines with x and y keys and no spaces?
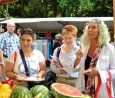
{"x":104,"y":35}
{"x":70,"y":29}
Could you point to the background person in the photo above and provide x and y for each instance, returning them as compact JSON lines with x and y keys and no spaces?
{"x":67,"y":57}
{"x":34,"y":60}
{"x":35,"y":45}
{"x":18,"y":32}
{"x":1,"y":30}
{"x":57,"y":41}
{"x":9,"y":41}
{"x":99,"y":56}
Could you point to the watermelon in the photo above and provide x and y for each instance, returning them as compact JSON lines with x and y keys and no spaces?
{"x":45,"y":94}
{"x":38,"y":89}
{"x":21,"y":92}
{"x":86,"y":96}
{"x":60,"y":90}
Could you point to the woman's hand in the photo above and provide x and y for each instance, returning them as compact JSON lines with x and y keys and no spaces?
{"x":39,"y":76}
{"x":19,"y":78}
{"x":62,"y":70}
{"x":79,"y":53}
{"x":93,"y":73}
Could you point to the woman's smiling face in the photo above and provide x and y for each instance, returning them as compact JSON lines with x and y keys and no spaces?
{"x":26,"y":42}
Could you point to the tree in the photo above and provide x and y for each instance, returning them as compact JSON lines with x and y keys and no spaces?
{"x":58,"y":8}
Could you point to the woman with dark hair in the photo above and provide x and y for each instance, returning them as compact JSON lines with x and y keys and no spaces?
{"x":34,"y":59}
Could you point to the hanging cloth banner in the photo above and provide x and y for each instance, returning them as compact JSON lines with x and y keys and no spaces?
{"x":8,"y":1}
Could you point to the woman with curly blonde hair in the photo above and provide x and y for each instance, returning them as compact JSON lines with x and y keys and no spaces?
{"x":103,"y":37}
{"x":98,"y":56}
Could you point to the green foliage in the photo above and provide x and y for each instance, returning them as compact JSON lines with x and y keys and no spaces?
{"x":57,"y":8}
{"x":68,"y":7}
{"x":86,"y":5}
{"x":1,"y":11}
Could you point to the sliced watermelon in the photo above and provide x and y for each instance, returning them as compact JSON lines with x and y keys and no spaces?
{"x":60,"y":90}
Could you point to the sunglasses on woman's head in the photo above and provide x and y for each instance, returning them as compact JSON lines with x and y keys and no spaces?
{"x":97,"y":20}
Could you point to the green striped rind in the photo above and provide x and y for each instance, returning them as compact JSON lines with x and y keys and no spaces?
{"x":45,"y":94}
{"x":86,"y":96}
{"x":58,"y":94}
{"x":37,"y":89}
{"x":21,"y":92}
{"x":15,"y":92}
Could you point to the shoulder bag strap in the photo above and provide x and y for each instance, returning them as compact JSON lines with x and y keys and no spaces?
{"x":58,"y":52}
{"x":24,"y":62}
{"x":15,"y":56}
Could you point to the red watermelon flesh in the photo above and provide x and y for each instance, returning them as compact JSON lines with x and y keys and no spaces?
{"x":64,"y":90}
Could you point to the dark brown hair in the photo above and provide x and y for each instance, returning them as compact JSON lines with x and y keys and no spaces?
{"x":28,"y":31}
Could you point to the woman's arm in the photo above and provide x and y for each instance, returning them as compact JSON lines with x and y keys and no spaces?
{"x":9,"y":70}
{"x":79,"y":55}
{"x":1,"y":58}
{"x":42,"y":70}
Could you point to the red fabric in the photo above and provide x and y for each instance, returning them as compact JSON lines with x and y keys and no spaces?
{"x":15,"y":55}
{"x":48,"y":34}
{"x":108,"y":86}
{"x":9,"y":81}
{"x":98,"y":87}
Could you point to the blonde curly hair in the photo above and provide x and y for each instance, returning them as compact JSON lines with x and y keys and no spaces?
{"x":104,"y":35}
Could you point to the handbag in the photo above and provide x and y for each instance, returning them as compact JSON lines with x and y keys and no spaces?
{"x":51,"y":77}
{"x":30,"y":83}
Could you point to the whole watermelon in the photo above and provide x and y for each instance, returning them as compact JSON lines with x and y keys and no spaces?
{"x":38,"y":89}
{"x":21,"y":92}
{"x":60,"y":90}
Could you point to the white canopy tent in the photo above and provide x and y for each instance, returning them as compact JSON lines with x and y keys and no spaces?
{"x":56,"y":24}
{"x":2,"y":19}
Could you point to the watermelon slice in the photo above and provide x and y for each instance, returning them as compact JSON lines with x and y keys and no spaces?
{"x":60,"y":90}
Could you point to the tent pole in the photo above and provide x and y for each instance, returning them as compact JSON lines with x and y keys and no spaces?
{"x":114,"y":18}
